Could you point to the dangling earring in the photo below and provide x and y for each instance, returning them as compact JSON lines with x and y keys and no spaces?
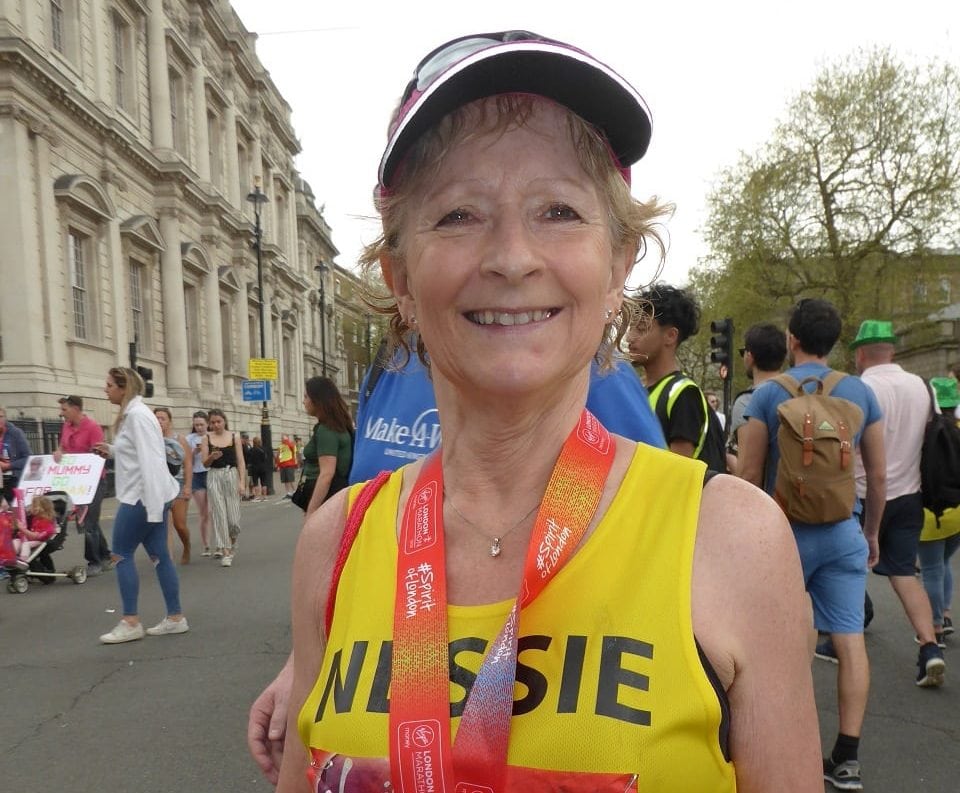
{"x":412,"y":322}
{"x":609,"y":314}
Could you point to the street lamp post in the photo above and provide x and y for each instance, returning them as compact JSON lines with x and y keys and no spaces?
{"x":258,"y":198}
{"x":322,"y":269}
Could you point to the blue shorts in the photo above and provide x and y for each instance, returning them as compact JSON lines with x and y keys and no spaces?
{"x":834,"y":559}
{"x":199,"y":481}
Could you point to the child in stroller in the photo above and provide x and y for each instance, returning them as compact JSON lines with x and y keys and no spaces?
{"x":41,"y":527}
{"x":43,"y":536}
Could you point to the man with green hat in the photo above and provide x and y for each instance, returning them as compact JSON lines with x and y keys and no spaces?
{"x":947,"y":392}
{"x":906,"y":405}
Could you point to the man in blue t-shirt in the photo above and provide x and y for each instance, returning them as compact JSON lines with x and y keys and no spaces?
{"x":397,"y":419}
{"x":835,"y":556}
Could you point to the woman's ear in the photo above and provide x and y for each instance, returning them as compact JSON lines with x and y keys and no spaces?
{"x":393,"y":275}
{"x":620,"y":268}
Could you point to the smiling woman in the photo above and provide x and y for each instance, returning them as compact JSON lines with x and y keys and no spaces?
{"x":538,"y":605}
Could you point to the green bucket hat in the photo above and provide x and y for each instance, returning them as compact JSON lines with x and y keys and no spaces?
{"x":948,"y":394}
{"x":874,"y":331}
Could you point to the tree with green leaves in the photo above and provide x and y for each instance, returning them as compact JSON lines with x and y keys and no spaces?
{"x":855,"y":197}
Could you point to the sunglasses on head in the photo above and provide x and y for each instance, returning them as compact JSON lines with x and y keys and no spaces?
{"x":446,"y":55}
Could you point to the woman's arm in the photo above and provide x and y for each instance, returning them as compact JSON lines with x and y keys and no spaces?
{"x":328,"y":466}
{"x":187,"y":467}
{"x":312,"y":567}
{"x":205,"y":451}
{"x":754,"y":622}
{"x":147,"y":440}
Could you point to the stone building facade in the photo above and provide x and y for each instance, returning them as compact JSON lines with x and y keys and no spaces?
{"x":131,"y":133}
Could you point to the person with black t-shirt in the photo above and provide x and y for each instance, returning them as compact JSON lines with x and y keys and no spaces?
{"x":689,"y":425}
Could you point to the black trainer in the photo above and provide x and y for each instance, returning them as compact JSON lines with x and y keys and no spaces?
{"x":843,"y":776}
{"x":930,"y":666}
{"x":947,"y":625}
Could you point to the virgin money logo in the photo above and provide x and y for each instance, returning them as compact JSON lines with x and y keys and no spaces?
{"x":594,"y":434}
{"x":423,"y":736}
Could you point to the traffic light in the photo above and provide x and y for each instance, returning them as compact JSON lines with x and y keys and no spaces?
{"x":721,"y":342}
{"x":146,"y":375}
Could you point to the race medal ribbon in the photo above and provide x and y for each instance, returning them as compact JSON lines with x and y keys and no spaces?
{"x":421,"y":756}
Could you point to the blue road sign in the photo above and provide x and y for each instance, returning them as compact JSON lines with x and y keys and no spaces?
{"x":255,"y":390}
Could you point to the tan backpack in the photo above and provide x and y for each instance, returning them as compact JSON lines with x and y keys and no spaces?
{"x":815,"y":474}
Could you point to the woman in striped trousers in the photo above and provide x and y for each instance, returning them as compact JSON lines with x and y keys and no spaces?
{"x":222,"y":455}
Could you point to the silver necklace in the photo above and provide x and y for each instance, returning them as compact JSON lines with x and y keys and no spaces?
{"x":495,"y":547}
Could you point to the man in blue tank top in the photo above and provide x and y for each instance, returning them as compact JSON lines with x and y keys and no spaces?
{"x":397,"y":415}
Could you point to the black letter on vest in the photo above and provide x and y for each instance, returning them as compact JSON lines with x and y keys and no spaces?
{"x":613,"y":675}
{"x":380,"y":690}
{"x":343,"y":690}
{"x":462,"y":676}
{"x":572,"y":674}
{"x":533,"y":679}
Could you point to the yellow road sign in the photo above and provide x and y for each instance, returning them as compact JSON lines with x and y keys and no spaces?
{"x":263,"y":369}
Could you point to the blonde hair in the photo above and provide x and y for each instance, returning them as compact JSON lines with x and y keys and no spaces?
{"x":633,"y":224}
{"x":132,"y":385}
{"x":42,"y":506}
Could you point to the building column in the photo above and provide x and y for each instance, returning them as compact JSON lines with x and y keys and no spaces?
{"x":211,"y":289}
{"x":231,"y":166}
{"x":174,"y":312}
{"x":267,"y":298}
{"x":159,"y":77}
{"x":49,"y":232}
{"x":21,"y":302}
{"x":241,"y":314}
{"x":100,"y":23}
{"x":122,"y":331}
{"x":199,"y":98}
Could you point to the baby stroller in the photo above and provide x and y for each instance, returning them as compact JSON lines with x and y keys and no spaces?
{"x":41,"y":566}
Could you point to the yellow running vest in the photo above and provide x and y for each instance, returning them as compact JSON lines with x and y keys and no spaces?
{"x":611,"y":693}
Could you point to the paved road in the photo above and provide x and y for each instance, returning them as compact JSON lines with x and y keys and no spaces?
{"x":169,"y":713}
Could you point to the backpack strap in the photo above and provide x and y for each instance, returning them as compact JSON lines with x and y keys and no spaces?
{"x":831,"y":381}
{"x":789,"y":384}
{"x":350,"y":530}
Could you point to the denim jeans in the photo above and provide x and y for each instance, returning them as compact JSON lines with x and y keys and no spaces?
{"x":130,"y":529}
{"x":937,"y":576}
{"x":95,"y":549}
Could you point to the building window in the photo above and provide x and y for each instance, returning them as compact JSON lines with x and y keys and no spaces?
{"x":191,"y":309}
{"x":281,"y":238}
{"x":57,"y":26}
{"x":289,"y":372}
{"x":215,"y":146}
{"x":945,"y":290}
{"x":137,"y":305}
{"x":226,"y":337}
{"x":123,"y":82}
{"x":77,"y":245}
{"x":178,"y":112}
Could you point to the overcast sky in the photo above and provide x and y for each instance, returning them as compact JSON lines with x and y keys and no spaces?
{"x":716,"y":75}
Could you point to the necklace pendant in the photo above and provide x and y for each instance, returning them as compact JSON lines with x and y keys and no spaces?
{"x":495,"y":547}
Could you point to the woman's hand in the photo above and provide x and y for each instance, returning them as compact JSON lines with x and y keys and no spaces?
{"x":102,"y":448}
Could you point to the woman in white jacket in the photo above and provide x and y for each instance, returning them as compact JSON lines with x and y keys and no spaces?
{"x":145,"y":489}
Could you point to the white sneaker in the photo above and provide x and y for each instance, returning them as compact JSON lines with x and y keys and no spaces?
{"x":123,"y":632}
{"x":167,"y":625}
{"x":226,"y":561}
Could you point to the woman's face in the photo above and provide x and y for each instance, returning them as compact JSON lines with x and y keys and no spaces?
{"x":308,"y":406}
{"x":509,"y":265}
{"x":164,"y":420}
{"x":113,"y":391}
{"x":216,"y":423}
{"x":199,"y":425}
